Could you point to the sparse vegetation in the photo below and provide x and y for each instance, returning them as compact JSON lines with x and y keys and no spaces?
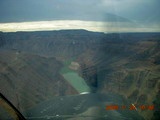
{"x":127,"y":65}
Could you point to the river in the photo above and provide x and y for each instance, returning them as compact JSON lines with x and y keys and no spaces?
{"x":75,"y":80}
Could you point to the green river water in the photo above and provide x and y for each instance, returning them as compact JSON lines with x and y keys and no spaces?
{"x":74,"y":79}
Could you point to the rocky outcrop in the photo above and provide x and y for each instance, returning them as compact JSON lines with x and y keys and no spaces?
{"x":27,"y":80}
{"x":125,"y":64}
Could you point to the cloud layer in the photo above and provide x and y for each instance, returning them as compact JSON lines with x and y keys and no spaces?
{"x":94,"y":15}
{"x":77,"y":24}
{"x":146,"y":11}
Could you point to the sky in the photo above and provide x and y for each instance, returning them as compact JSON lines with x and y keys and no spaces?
{"x":93,"y":15}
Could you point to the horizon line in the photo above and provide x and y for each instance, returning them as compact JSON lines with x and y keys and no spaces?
{"x":94,"y":26}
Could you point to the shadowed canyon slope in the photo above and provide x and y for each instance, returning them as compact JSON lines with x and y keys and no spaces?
{"x":126,"y":64}
{"x":30,"y":79}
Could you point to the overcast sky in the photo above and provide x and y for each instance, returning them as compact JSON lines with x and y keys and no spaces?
{"x":119,"y":13}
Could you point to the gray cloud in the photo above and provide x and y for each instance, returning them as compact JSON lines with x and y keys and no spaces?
{"x":30,"y":10}
{"x":143,"y":12}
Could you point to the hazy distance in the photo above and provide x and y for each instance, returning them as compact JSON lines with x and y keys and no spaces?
{"x":94,"y":15}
